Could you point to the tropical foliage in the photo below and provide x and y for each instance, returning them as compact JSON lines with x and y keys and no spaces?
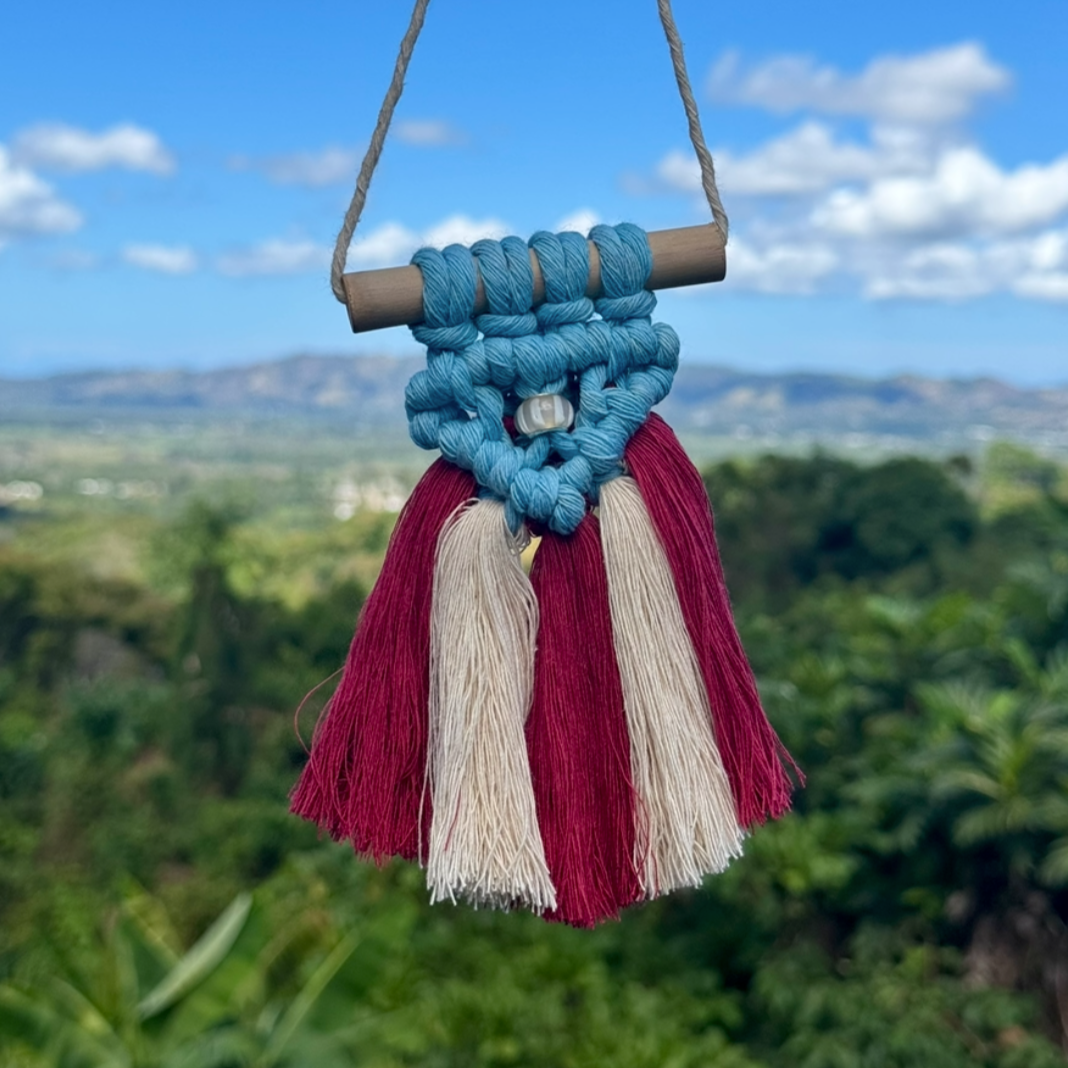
{"x":909,"y":625}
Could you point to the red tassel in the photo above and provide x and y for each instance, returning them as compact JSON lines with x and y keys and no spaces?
{"x":678,"y":505}
{"x":577,"y":734}
{"x":365,"y":777}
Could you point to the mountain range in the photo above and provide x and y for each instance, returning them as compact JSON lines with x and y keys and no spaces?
{"x":368,"y":391}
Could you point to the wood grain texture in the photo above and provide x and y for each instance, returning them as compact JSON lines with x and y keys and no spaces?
{"x":393,"y":296}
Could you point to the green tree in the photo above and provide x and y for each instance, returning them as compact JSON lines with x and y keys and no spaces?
{"x":782,"y":523}
{"x":247,"y":992}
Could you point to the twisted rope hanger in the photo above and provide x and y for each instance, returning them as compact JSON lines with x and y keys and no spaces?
{"x":393,"y":95}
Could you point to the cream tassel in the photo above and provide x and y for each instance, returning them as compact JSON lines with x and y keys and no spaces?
{"x":687,"y":825}
{"x":485,"y":845}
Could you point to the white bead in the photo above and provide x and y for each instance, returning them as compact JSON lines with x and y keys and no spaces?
{"x":545,"y":412}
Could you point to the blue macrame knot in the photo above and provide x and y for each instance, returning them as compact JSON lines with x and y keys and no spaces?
{"x":614,"y":367}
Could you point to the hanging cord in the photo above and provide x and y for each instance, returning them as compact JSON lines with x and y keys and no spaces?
{"x":697,"y":136}
{"x":396,"y":87}
{"x":374,"y":149}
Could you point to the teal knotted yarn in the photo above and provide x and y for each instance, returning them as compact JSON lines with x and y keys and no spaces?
{"x":614,"y":367}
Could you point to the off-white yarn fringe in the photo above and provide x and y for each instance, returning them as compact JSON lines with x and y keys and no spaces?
{"x":687,"y":825}
{"x":485,"y":846}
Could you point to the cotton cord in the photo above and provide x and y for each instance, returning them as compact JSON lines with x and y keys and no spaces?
{"x":577,"y":734}
{"x":393,"y":95}
{"x":675,"y":497}
{"x":687,"y":825}
{"x":485,"y":844}
{"x":479,"y":367}
{"x":374,"y":149}
{"x":693,"y":119}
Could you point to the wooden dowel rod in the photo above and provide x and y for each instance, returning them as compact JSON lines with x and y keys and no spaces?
{"x":393,"y":296}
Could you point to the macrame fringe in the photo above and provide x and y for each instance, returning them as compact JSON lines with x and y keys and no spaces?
{"x":577,"y":734}
{"x":687,"y":823}
{"x":364,"y":779}
{"x":485,"y":845}
{"x":646,"y":753}
{"x":675,"y":496}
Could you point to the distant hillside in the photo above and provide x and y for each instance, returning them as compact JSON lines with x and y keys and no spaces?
{"x":370,"y":386}
{"x":368,"y":391}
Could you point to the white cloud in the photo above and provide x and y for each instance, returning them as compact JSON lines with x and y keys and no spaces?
{"x":463,"y":230}
{"x":804,"y":161}
{"x":779,"y":267}
{"x":808,"y":159}
{"x":67,"y":148}
{"x":935,"y":272}
{"x":384,"y":246}
{"x":429,"y":133}
{"x":165,"y":259}
{"x":389,"y":245}
{"x":933,"y":87}
{"x":1049,"y":251}
{"x":337,"y":165}
{"x":29,"y":205}
{"x":392,"y":243}
{"x":1034,"y":267}
{"x":332,"y":165}
{"x":964,"y":193}
{"x":680,"y":171}
{"x":277,"y":256}
{"x":1053,"y":286}
{"x":913,"y":210}
{"x":581,"y":221}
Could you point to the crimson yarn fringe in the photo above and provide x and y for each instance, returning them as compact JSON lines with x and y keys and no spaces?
{"x":675,"y":496}
{"x":365,"y":777}
{"x":577,"y":734}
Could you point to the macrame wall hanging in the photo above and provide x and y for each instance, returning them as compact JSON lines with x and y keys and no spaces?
{"x":589,"y":736}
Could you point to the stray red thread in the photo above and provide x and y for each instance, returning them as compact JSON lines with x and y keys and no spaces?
{"x":304,"y":700}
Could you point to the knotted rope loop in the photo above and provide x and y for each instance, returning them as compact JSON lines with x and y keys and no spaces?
{"x":450,"y":285}
{"x":506,"y":275}
{"x":615,"y":367}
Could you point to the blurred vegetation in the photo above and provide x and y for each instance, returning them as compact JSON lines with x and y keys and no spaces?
{"x":908,"y":621}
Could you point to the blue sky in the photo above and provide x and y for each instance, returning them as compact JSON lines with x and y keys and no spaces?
{"x":172,"y":176}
